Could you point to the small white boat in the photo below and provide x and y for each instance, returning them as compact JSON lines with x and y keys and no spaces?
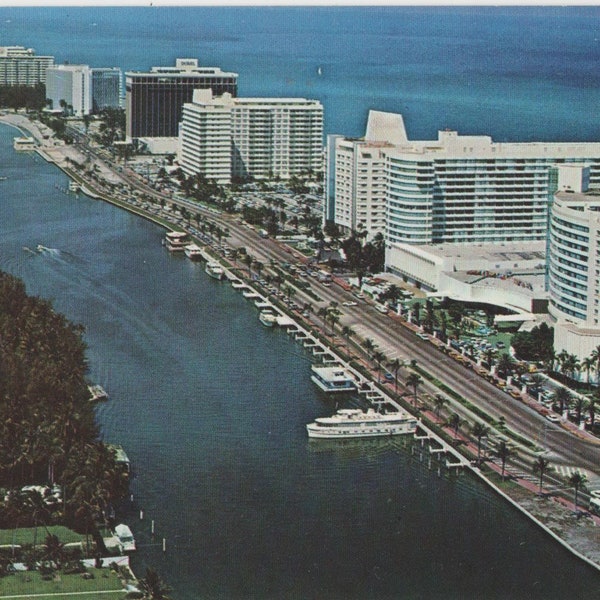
{"x":237,"y":284}
{"x":97,"y":393}
{"x":267,"y":318}
{"x":125,"y":537}
{"x":193,"y":252}
{"x":74,"y":186}
{"x":215,"y":270}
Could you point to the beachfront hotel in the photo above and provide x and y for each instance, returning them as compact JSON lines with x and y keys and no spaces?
{"x":107,"y":87}
{"x":456,"y":189}
{"x":70,"y":85}
{"x":154,"y":100}
{"x":226,"y":137}
{"x":86,"y":90}
{"x":21,"y":66}
{"x":573,"y":262}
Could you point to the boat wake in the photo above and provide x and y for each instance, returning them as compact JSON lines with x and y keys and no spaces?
{"x":48,"y":251}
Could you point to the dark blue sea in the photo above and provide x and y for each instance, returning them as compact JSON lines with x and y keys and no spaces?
{"x":210,"y":405}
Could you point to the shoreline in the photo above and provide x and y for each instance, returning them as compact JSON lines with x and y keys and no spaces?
{"x":57,"y":155}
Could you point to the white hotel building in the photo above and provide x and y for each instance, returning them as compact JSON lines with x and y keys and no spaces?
{"x":21,"y":66}
{"x":224,"y":137}
{"x":456,"y":189}
{"x":574,"y":264}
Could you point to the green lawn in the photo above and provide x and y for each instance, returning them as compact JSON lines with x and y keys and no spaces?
{"x":31,"y":585}
{"x":25,"y":535}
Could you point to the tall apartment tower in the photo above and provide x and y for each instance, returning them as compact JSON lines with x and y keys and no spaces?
{"x":154,"y":100}
{"x":20,"y":66}
{"x":71,"y":84}
{"x":107,"y":86}
{"x":227,"y":137}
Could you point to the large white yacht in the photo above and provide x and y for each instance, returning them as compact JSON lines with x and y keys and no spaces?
{"x":193,"y":252}
{"x":355,"y":423}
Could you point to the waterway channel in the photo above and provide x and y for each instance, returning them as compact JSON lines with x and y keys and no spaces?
{"x":211,"y":408}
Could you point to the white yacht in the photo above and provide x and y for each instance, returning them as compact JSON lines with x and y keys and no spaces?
{"x":193,"y":252}
{"x":355,"y":423}
{"x":176,"y":241}
{"x":267,"y":318}
{"x":215,"y":270}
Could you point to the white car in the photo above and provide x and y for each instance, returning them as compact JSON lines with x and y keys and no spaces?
{"x":553,"y":418}
{"x":350,"y":303}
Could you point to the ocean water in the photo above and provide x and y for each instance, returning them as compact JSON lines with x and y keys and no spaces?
{"x":210,"y":405}
{"x":515,"y":73}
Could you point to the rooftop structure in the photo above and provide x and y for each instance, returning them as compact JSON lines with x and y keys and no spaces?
{"x":154,"y":100}
{"x":20,"y":66}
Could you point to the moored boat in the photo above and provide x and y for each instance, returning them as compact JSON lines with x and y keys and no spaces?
{"x":97,"y":393}
{"x":355,"y":423}
{"x":267,"y":318}
{"x":193,"y":252}
{"x":176,"y":241}
{"x":332,"y":379}
{"x":215,"y":270}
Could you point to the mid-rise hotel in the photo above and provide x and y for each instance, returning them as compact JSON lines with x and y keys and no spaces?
{"x":154,"y":100}
{"x":21,"y":66}
{"x":225,"y":137}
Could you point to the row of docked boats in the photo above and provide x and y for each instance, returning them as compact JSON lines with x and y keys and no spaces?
{"x":180,"y":241}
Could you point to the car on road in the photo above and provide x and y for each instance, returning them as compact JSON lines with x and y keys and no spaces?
{"x":388,"y":377}
{"x":349,"y":303}
{"x":553,"y":418}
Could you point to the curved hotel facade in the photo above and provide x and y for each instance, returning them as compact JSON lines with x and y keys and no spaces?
{"x":573,"y":263}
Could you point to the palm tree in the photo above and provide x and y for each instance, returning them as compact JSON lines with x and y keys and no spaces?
{"x":503,"y":452}
{"x":592,"y":408}
{"x":369,"y":346}
{"x":248,"y":262}
{"x":489,"y":357}
{"x":347,"y":332}
{"x":537,"y":381}
{"x":505,"y":364}
{"x":562,"y":396}
{"x":378,"y":358}
{"x":414,"y":381}
{"x":153,"y":587}
{"x":577,"y":480}
{"x":541,"y":466}
{"x":454,"y":422}
{"x":322,"y":313}
{"x":395,"y":365}
{"x":439,"y":401}
{"x":595,"y":355}
{"x":579,"y":406}
{"x":587,"y":364}
{"x":334,"y":317}
{"x":479,"y":431}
